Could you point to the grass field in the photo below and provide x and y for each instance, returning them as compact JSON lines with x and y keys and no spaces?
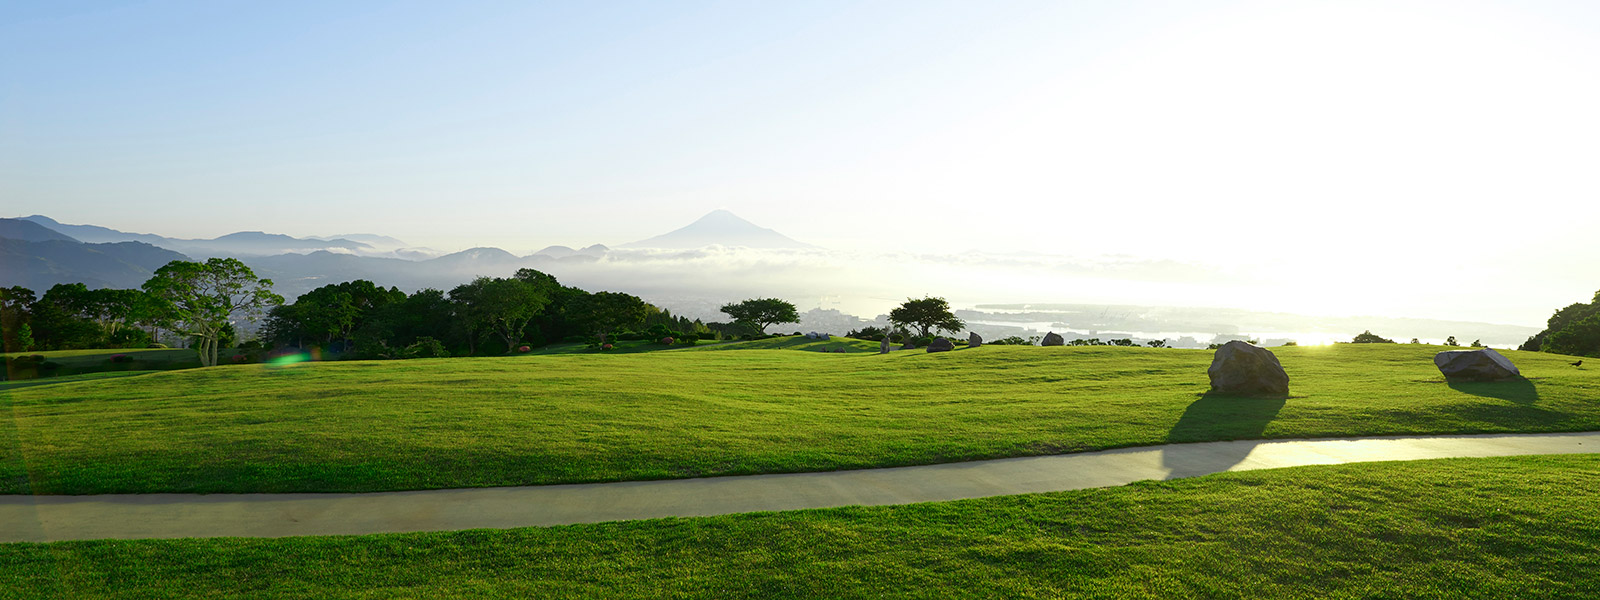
{"x":82,"y":365}
{"x":464,"y":422}
{"x":1521,"y":527}
{"x":798,"y":342}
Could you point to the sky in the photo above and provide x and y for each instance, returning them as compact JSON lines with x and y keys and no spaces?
{"x":1405,"y":158}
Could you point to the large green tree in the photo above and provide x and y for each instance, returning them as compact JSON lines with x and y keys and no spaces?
{"x":1574,"y":330}
{"x":500,"y":306}
{"x":926,"y":316}
{"x":202,"y":299}
{"x":762,"y":313}
{"x":607,"y":312}
{"x":331,"y":312}
{"x":16,"y":309}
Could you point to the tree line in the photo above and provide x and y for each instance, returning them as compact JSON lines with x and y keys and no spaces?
{"x":203,"y":305}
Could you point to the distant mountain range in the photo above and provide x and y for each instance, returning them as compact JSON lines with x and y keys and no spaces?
{"x":38,"y":252}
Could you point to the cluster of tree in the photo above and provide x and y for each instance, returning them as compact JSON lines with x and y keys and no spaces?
{"x":489,"y":315}
{"x":195,"y":300}
{"x":1573,"y":330}
{"x":201,"y":302}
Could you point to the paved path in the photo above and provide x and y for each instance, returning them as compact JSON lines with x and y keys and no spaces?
{"x":50,"y":518}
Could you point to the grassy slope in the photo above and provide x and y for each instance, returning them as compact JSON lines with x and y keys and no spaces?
{"x":799,"y":342}
{"x":1521,"y":527}
{"x":75,"y":364}
{"x":365,"y":426}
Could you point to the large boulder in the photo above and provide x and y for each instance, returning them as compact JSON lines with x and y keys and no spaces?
{"x":1475,"y":365}
{"x":940,"y":344}
{"x":883,"y":345}
{"x":974,"y":340}
{"x":1053,"y":339}
{"x":1241,"y":368}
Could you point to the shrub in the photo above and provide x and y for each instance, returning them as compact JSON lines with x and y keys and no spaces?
{"x":156,"y":345}
{"x":49,"y":365}
{"x":426,"y":347}
{"x":240,"y":359}
{"x":121,"y":358}
{"x":667,"y":341}
{"x":606,"y":346}
{"x":871,"y":334}
{"x":523,"y":348}
{"x":1367,"y":337}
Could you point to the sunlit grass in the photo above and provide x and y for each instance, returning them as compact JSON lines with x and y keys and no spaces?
{"x":366,"y":426}
{"x":1522,"y":527}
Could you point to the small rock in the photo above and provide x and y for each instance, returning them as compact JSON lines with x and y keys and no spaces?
{"x":1053,"y":339}
{"x":974,"y":340}
{"x":1475,"y":365}
{"x":1240,"y":368}
{"x":908,"y":346}
{"x":940,"y":344}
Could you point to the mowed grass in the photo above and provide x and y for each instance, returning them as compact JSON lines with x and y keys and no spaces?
{"x":799,"y":342}
{"x":1522,"y":527}
{"x":464,"y":422}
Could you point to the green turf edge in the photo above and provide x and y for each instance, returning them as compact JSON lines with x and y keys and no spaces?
{"x":1519,"y":527}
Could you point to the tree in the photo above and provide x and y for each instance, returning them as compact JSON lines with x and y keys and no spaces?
{"x":501,"y":306}
{"x":762,"y":313}
{"x":1573,"y":330}
{"x":1367,"y":337}
{"x":201,"y":299}
{"x":607,"y":312}
{"x":1451,"y":341}
{"x":16,"y":308}
{"x":927,"y":315}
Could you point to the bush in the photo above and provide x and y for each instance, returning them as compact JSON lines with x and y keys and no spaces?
{"x":666,"y":341}
{"x":523,"y":348}
{"x":425,"y":347}
{"x":1367,"y":337}
{"x":121,"y":358}
{"x":49,"y":365}
{"x":156,"y":345}
{"x":606,"y":346}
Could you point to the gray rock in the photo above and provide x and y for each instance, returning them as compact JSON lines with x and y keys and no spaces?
{"x":940,"y":344}
{"x":883,"y":345}
{"x":1240,"y":368}
{"x":1053,"y":339}
{"x":908,"y":346}
{"x":1475,"y":365}
{"x":974,"y":340}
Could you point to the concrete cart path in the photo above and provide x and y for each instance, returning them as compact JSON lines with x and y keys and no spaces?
{"x":51,"y":518}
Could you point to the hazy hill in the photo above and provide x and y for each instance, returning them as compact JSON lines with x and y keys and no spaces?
{"x":29,"y":231}
{"x":719,"y":228}
{"x":243,"y":243}
{"x":39,"y":265}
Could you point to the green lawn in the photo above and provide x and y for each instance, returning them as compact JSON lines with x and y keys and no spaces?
{"x":799,"y":342}
{"x":619,"y":347}
{"x":82,"y":362}
{"x":22,"y":383}
{"x":1523,"y":527}
{"x":368,"y":426}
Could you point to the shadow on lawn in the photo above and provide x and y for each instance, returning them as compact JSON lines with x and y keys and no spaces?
{"x":1519,"y":390}
{"x":1213,"y":417}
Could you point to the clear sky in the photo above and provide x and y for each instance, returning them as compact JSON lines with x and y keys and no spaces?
{"x":1344,"y":150}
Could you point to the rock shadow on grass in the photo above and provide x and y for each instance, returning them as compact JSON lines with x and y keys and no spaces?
{"x":1218,"y":416}
{"x":1520,"y":390}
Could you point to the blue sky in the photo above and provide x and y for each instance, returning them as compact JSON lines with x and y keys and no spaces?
{"x":1325,"y":145}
